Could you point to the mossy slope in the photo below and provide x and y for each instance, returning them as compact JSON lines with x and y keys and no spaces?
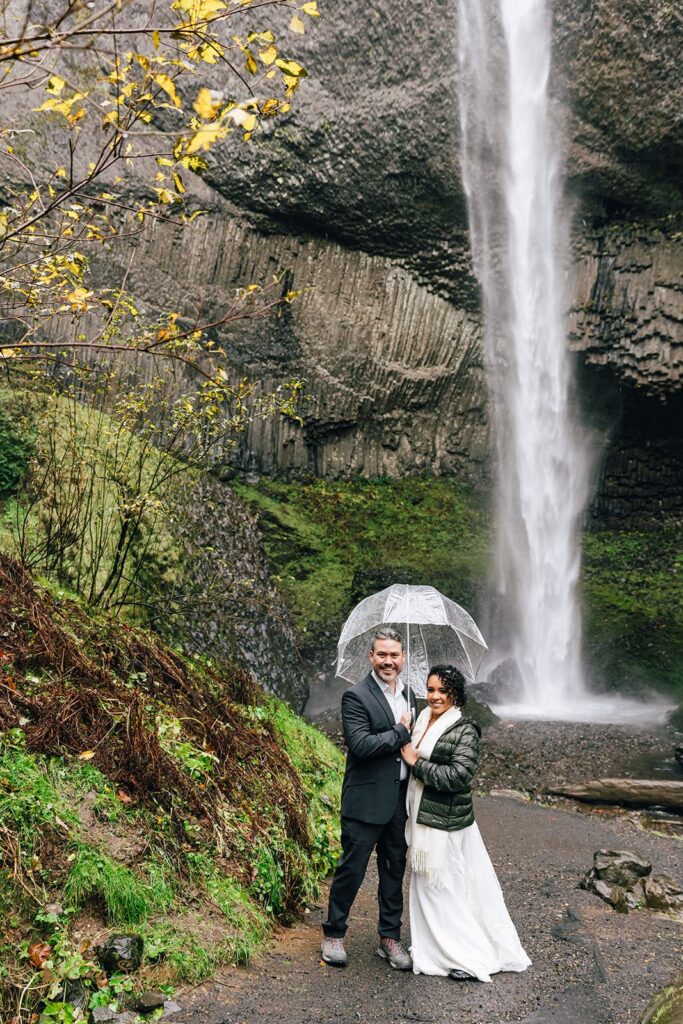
{"x":139,"y":790}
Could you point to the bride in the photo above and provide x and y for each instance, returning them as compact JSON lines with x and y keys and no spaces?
{"x":458,"y":920}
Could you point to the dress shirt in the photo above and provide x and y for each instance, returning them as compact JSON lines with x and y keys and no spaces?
{"x":399,"y":706}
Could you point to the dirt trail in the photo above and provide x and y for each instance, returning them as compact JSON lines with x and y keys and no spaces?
{"x":595,"y":967}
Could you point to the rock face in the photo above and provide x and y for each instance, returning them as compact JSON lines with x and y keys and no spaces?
{"x":394,"y":371}
{"x":359,"y":195}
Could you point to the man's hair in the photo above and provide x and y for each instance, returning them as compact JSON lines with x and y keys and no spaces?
{"x":386,"y":634}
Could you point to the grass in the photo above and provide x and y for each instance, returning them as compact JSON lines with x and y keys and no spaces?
{"x":95,"y":876}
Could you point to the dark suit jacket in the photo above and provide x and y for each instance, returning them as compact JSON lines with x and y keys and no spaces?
{"x":373,"y":763}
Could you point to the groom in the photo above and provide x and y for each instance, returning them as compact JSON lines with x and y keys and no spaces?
{"x":376,"y":716}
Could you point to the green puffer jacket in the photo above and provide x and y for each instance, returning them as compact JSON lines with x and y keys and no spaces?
{"x":447,"y":776}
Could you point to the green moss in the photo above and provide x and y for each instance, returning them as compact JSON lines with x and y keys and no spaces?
{"x":666,"y":1007}
{"x":331,"y":543}
{"x":321,"y":768}
{"x":633,"y":596}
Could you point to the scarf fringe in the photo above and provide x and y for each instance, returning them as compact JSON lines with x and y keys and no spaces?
{"x":419,"y":862}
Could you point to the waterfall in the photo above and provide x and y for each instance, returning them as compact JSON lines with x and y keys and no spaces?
{"x":512,"y":173}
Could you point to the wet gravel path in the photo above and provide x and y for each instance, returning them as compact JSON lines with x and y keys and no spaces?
{"x":590,"y":964}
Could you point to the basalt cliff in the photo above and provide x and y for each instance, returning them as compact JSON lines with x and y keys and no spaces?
{"x":358,"y":197}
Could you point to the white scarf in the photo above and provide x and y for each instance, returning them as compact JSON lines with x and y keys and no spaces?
{"x":428,"y":846}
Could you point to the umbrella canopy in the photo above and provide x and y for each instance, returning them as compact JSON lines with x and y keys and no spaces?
{"x":436,"y":631}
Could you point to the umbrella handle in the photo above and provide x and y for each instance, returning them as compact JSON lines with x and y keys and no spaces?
{"x":408,"y":647}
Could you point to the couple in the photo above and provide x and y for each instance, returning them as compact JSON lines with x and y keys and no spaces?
{"x":406,"y":792}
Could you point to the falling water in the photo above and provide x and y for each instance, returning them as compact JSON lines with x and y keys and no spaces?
{"x":511,"y":161}
{"x":512,"y":176}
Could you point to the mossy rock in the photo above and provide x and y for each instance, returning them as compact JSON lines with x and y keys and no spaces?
{"x":480,"y":713}
{"x":676,"y":719}
{"x":666,"y":1007}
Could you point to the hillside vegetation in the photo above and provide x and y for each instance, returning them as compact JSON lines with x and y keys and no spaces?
{"x":145,"y":792}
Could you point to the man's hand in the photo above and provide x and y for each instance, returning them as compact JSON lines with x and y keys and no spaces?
{"x":407,"y":720}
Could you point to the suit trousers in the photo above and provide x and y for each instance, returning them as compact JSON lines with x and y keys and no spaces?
{"x":359,"y":839}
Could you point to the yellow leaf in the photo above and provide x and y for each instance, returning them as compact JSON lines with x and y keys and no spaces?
{"x":168,"y":85}
{"x":239,"y":116}
{"x":75,"y":118}
{"x":205,"y":105}
{"x":291,"y":67}
{"x":270,"y":107}
{"x":3,"y":224}
{"x":297,"y":25}
{"x":311,"y":8}
{"x":178,"y":182}
{"x":60,"y":172}
{"x":156,"y":39}
{"x":78,"y":299}
{"x":268,"y":55}
{"x":7,"y":353}
{"x":55,"y":85}
{"x":205,"y":138}
{"x":250,"y":64}
{"x":87,"y":755}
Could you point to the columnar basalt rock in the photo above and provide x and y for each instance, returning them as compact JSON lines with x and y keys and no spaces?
{"x":359,"y":194}
{"x":628,"y":305}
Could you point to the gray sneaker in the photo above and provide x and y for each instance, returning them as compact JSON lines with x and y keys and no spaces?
{"x":393,"y":951}
{"x":332,"y":951}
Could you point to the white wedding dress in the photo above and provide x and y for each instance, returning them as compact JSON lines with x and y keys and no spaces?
{"x":465,"y":923}
{"x":458,"y":917}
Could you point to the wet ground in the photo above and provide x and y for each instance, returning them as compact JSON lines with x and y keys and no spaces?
{"x":590,"y":964}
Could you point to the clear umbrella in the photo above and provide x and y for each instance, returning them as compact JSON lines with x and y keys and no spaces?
{"x":436,"y":631}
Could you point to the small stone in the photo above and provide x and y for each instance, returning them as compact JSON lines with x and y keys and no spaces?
{"x":120,"y":952}
{"x":102,"y":1014}
{"x":53,"y":908}
{"x":149,"y":1001}
{"x":171,"y":1007}
{"x":663,"y":893}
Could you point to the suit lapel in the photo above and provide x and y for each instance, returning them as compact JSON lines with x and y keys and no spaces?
{"x":376,"y":692}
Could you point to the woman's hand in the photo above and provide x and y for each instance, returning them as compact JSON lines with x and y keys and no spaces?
{"x":409,"y":754}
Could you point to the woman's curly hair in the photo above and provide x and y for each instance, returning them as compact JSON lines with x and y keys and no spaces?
{"x":453,"y":682}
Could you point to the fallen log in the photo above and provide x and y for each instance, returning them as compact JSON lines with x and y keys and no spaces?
{"x":629,"y":792}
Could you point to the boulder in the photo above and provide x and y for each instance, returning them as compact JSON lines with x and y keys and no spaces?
{"x":620,"y":867}
{"x":616,"y":877}
{"x":630,"y":792}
